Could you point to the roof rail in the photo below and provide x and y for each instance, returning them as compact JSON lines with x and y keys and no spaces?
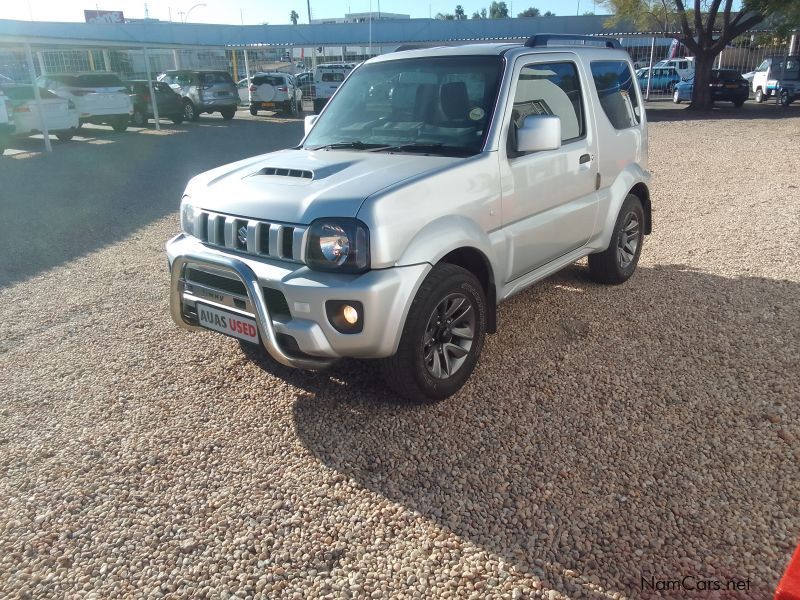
{"x":541,"y":39}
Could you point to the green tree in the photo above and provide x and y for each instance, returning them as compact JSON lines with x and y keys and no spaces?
{"x":549,"y":14}
{"x":293,"y":17}
{"x":706,"y":27}
{"x":445,"y":17}
{"x":529,"y":12}
{"x":460,"y":15}
{"x":498,"y":10}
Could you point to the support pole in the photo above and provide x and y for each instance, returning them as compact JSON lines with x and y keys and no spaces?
{"x":38,"y":96}
{"x":650,"y":69}
{"x":152,"y":91}
{"x":247,"y":72}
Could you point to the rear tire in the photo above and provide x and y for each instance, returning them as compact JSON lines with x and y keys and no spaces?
{"x":120,"y":124}
{"x":138,"y":119}
{"x":189,"y":111}
{"x":442,"y":337}
{"x":253,"y":110}
{"x":177,"y":119}
{"x":676,"y":97}
{"x":228,"y":113}
{"x":784,"y":98}
{"x":65,"y":135}
{"x":738,"y":103}
{"x":618,"y":262}
{"x":759,"y":95}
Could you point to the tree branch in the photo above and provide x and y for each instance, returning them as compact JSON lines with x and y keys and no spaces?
{"x":685,"y":28}
{"x":711,"y":18}
{"x":698,"y":23}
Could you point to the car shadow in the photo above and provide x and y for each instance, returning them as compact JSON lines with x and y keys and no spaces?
{"x":566,"y":453}
{"x":103,"y":186}
{"x":665,"y":110}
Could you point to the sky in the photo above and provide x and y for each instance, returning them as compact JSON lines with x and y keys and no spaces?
{"x":265,"y":11}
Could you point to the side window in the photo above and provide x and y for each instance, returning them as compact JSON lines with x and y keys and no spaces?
{"x":616,"y":89}
{"x":763,"y":66}
{"x":551,"y":89}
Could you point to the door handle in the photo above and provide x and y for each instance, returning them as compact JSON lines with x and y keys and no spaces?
{"x":584,"y":159}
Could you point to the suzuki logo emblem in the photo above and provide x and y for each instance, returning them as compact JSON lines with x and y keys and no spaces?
{"x":242,"y":235}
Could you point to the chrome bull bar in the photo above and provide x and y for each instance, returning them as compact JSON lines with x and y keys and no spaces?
{"x":262,"y":317}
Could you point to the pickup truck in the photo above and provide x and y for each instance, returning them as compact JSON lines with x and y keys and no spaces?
{"x":401,"y":221}
{"x":777,"y":75}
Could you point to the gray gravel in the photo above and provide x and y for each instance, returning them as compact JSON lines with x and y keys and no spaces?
{"x":608,"y":433}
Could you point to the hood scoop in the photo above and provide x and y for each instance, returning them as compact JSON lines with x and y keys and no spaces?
{"x":278,"y":172}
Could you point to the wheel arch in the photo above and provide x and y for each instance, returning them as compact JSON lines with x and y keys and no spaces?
{"x":477,"y":263}
{"x":641,"y":191}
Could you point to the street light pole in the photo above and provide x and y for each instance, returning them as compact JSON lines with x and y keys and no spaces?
{"x":188,"y":12}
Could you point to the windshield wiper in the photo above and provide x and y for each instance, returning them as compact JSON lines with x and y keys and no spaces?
{"x":437,"y":148}
{"x":351,"y":145}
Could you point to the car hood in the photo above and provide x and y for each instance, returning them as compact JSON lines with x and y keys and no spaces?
{"x":298,"y":186}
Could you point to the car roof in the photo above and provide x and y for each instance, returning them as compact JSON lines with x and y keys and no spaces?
{"x":511,"y":50}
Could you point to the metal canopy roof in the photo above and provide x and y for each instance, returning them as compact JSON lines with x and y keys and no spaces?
{"x":166,"y":34}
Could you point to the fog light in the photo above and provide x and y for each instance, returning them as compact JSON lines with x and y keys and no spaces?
{"x":346,"y":316}
{"x":350,"y":314}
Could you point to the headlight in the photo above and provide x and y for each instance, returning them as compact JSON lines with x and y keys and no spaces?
{"x":340,"y":245}
{"x":187,"y":216}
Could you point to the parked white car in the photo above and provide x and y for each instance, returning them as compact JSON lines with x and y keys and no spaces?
{"x":327,"y":79}
{"x":684,"y":66}
{"x":100,"y":97}
{"x":6,"y":121}
{"x":275,"y":91}
{"x":60,"y":114}
{"x":777,"y":75}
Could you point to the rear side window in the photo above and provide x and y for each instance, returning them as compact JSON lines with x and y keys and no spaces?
{"x":616,"y":88}
{"x":551,"y":89}
{"x":270,"y":79}
{"x":99,"y":80}
{"x":333,"y":77}
{"x":211,"y":78}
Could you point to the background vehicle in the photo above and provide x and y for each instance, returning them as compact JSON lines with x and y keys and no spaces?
{"x":726,"y":85}
{"x":170,"y":104}
{"x":663,"y":79}
{"x":270,"y":91}
{"x":60,"y":114}
{"x":403,"y":218}
{"x":5,"y":79}
{"x":100,"y":97}
{"x":684,"y":66}
{"x":327,"y":79}
{"x":777,"y":74}
{"x":305,"y":81}
{"x":243,"y":89}
{"x":204,"y":92}
{"x":6,"y":121}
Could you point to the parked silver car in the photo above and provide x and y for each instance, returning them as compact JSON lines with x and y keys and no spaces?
{"x":401,"y":221}
{"x":204,"y":92}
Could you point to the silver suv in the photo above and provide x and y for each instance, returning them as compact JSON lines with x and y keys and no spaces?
{"x":204,"y":92}
{"x":394,"y":229}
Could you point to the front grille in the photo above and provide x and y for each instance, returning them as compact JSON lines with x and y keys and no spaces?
{"x":259,"y":238}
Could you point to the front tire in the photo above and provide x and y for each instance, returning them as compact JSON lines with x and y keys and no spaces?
{"x":676,"y":97}
{"x":784,"y":98}
{"x":190,"y":112}
{"x":442,"y":337}
{"x":120,"y":124}
{"x":253,"y":110}
{"x":759,"y":95}
{"x":618,"y":262}
{"x":177,"y":119}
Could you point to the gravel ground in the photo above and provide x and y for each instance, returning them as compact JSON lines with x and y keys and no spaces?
{"x":609,"y":434}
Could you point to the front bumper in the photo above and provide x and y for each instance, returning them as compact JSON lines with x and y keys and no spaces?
{"x":385,"y":294}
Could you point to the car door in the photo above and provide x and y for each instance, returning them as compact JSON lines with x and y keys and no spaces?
{"x":549,"y":197}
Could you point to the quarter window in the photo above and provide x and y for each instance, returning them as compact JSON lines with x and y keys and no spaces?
{"x":551,"y":89}
{"x":616,"y":88}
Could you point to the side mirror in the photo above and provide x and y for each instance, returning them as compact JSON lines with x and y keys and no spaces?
{"x":539,"y":132}
{"x":309,"y":122}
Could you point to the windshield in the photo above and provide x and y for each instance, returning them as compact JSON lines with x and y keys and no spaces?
{"x":440,"y":104}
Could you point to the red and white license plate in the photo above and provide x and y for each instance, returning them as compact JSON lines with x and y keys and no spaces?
{"x":227,"y":322}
